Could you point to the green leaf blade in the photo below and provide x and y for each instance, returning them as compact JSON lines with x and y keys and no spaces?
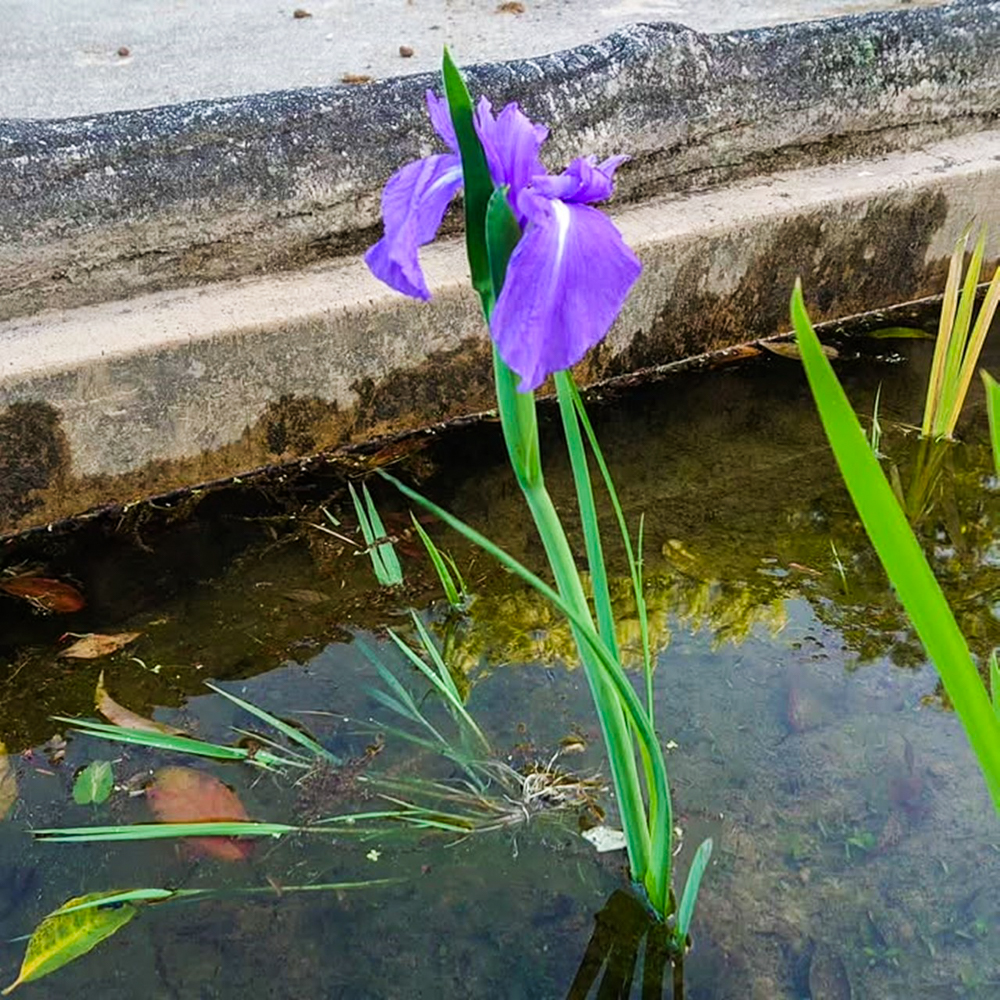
{"x":900,"y":553}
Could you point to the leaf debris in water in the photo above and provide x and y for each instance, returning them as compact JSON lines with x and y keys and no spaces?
{"x":122,"y":716}
{"x":94,"y":783}
{"x":8,"y":783}
{"x":62,"y":937}
{"x":90,"y":647}
{"x":605,"y":838}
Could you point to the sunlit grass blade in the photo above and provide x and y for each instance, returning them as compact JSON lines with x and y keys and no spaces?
{"x":946,"y":327}
{"x":291,"y":732}
{"x":453,"y":585}
{"x":685,"y":912}
{"x":900,"y":553}
{"x":976,"y":339}
{"x":179,"y":744}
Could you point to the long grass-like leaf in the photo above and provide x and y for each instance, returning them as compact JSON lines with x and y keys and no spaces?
{"x":179,"y":744}
{"x":685,"y":912}
{"x":946,"y":328}
{"x":164,"y":831}
{"x":444,"y":683}
{"x":603,"y":610}
{"x":291,"y":732}
{"x":900,"y":553}
{"x":591,"y":644}
{"x":453,"y":591}
{"x":476,"y":177}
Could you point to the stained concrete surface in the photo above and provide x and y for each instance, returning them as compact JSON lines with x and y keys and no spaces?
{"x":185,"y":386}
{"x":78,"y":57}
{"x":182,"y":293}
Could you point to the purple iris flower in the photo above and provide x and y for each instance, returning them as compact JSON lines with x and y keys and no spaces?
{"x":569,"y":275}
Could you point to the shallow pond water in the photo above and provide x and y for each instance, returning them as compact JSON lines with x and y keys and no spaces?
{"x":856,"y":852}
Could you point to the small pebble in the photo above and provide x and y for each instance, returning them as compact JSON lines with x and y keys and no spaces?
{"x":299,"y":13}
{"x":405,"y":51}
{"x":124,"y":52}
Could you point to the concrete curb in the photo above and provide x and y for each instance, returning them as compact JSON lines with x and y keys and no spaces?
{"x":118,"y":204}
{"x":860,"y":180}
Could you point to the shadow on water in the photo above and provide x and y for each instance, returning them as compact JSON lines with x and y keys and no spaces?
{"x":856,"y":851}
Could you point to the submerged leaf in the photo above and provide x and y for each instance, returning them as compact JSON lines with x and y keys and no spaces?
{"x":8,"y":783}
{"x":789,"y":349}
{"x":44,"y":594}
{"x":184,"y":795}
{"x":126,"y":718}
{"x":94,"y":783}
{"x":899,"y":333}
{"x":62,"y":937}
{"x":90,"y":647}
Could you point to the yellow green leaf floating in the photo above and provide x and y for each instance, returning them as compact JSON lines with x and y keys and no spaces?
{"x":62,"y":937}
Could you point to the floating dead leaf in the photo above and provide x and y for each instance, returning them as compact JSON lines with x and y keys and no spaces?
{"x":8,"y":783}
{"x":184,"y":795}
{"x":511,"y":7}
{"x":121,"y":716}
{"x":605,"y":838}
{"x":789,"y":349}
{"x":90,"y":647}
{"x":62,"y":937}
{"x":44,"y":594}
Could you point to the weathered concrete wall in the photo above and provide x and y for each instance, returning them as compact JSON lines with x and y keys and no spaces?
{"x":117,"y":401}
{"x":852,"y":153}
{"x":100,"y":207}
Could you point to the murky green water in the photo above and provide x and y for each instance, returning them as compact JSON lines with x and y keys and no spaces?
{"x":856,"y":850}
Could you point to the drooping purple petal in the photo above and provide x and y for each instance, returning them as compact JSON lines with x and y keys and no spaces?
{"x":413,"y":204}
{"x":437,"y":108}
{"x":566,"y":282}
{"x":511,"y":143}
{"x":584,"y":180}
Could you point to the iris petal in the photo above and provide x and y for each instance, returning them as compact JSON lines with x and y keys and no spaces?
{"x":413,"y":205}
{"x":511,"y":143}
{"x":437,"y":108}
{"x":584,"y":180}
{"x":566,"y":282}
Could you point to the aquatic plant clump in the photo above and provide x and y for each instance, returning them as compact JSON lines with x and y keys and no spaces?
{"x":552,"y":273}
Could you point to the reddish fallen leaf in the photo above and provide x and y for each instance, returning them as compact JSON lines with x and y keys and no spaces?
{"x":121,"y":716}
{"x":44,"y":594}
{"x":90,"y":647}
{"x":184,"y":795}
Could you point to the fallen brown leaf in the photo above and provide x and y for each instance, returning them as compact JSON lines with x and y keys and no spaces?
{"x":44,"y":594}
{"x":90,"y":647}
{"x":8,"y":783}
{"x":122,"y":716}
{"x":184,"y":795}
